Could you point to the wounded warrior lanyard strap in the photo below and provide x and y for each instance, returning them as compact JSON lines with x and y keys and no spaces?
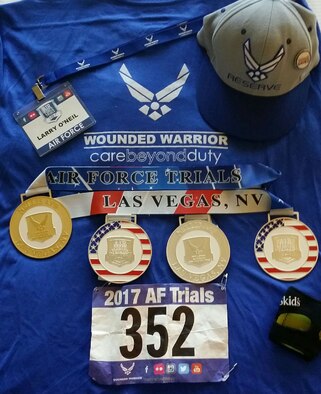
{"x":171,"y":33}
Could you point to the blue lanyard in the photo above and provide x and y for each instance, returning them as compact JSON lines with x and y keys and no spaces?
{"x":171,"y":33}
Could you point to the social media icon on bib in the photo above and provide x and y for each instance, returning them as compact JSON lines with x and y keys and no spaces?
{"x":183,"y":369}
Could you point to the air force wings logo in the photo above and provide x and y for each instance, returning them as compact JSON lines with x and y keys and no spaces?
{"x":258,"y":72}
{"x":154,"y":107}
{"x":127,"y":371}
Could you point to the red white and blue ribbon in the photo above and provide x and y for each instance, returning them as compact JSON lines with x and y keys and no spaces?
{"x":149,"y":190}
{"x":172,"y":202}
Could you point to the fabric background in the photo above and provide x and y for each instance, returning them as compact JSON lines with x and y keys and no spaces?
{"x":46,"y":305}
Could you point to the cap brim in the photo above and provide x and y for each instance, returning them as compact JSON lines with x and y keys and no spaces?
{"x":246,"y":116}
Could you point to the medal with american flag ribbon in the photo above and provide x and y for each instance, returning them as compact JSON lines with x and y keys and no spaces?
{"x":286,"y":249}
{"x":119,"y":251}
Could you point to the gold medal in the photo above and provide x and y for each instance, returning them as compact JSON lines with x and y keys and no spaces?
{"x":198,"y":251}
{"x":40,"y":227}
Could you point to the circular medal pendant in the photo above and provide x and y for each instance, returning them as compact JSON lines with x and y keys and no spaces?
{"x":198,"y":251}
{"x":40,"y":227}
{"x":286,"y":249}
{"x":120,"y":251}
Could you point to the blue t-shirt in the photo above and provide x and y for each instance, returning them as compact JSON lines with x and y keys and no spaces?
{"x":46,"y":305}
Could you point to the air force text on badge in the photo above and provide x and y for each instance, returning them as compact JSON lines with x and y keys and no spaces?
{"x":72,"y":132}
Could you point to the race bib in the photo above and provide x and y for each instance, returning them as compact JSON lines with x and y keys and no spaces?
{"x":159,"y":333}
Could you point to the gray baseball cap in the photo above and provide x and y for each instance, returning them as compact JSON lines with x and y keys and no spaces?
{"x":256,"y":77}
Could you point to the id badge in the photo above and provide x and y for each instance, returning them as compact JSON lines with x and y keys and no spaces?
{"x":55,"y":120}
